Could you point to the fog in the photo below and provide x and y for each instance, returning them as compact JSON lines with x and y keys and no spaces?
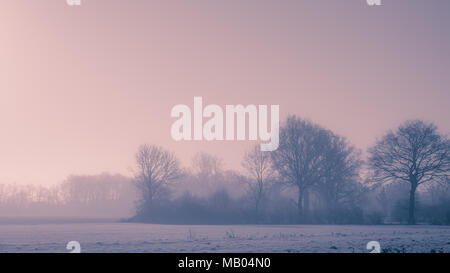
{"x":319,"y":178}
{"x":86,"y":94}
{"x":88,"y":196}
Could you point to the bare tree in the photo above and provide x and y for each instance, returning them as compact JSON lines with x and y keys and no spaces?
{"x":155,"y":169}
{"x":339,"y":174}
{"x":299,"y":158}
{"x":415,"y":153}
{"x":258,"y":165}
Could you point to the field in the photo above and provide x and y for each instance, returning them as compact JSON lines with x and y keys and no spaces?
{"x":132,"y":237}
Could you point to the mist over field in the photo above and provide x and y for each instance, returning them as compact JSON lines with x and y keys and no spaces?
{"x":144,"y":126}
{"x":314,"y":177}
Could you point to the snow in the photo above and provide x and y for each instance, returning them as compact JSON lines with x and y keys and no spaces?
{"x":132,"y":237}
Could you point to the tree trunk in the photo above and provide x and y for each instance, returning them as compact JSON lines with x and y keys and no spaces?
{"x":330,"y":208}
{"x":300,"y":205}
{"x":258,"y":199}
{"x":412,"y":204}
{"x":257,"y":210}
{"x":305,"y":205}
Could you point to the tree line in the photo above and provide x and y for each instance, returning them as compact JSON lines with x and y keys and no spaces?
{"x":315,"y":176}
{"x":92,"y":196}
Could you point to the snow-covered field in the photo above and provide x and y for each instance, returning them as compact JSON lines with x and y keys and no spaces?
{"x":132,"y":237}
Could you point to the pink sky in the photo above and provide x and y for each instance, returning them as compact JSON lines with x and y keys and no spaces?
{"x":82,"y":87}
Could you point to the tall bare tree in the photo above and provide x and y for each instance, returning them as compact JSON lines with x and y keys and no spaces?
{"x":299,"y":158}
{"x":156,"y":168}
{"x":415,"y":153}
{"x":339,"y":174}
{"x":258,"y":165}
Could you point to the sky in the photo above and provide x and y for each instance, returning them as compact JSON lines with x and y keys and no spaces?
{"x":81,"y":87}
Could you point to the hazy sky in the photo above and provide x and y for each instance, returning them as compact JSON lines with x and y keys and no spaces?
{"x":82,"y":87}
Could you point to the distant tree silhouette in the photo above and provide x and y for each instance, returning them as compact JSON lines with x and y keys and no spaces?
{"x":258,"y":166}
{"x":415,"y":153}
{"x":206,"y":165}
{"x":310,"y":155}
{"x":156,"y":168}
{"x":339,"y":175}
